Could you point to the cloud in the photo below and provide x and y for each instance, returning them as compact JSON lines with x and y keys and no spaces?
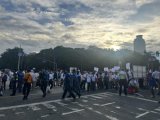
{"x":38,"y":24}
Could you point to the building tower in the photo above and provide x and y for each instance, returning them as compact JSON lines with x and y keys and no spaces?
{"x":139,"y":45}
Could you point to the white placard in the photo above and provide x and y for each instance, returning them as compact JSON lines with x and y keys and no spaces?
{"x":106,"y":69}
{"x":116,"y":68}
{"x":128,"y":66}
{"x":96,"y":69}
{"x":72,"y":68}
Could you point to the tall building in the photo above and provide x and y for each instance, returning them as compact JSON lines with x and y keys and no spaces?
{"x":139,"y":44}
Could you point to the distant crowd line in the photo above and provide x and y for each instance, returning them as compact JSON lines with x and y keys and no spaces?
{"x":75,"y":82}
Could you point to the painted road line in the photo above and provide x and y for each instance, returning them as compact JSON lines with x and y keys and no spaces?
{"x":107,"y":94}
{"x":138,"y":94}
{"x":96,"y":97}
{"x":44,"y":116}
{"x":26,"y":105}
{"x":118,"y":107}
{"x":76,"y":111}
{"x":49,"y":106}
{"x":98,"y":112}
{"x":17,"y":113}
{"x":60,"y":103}
{"x":85,"y":101}
{"x":51,"y":101}
{"x":111,"y":118}
{"x":149,"y":110}
{"x":34,"y":108}
{"x":96,"y":104}
{"x":143,"y":114}
{"x":113,"y":112}
{"x":108,"y":104}
{"x":104,"y":95}
{"x":144,"y":99}
{"x":157,"y":109}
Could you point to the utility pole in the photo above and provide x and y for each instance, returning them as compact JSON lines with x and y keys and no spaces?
{"x":19,"y":57}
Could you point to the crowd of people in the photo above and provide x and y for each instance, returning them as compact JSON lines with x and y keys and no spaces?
{"x":75,"y":82}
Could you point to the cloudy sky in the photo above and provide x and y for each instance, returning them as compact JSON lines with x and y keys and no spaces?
{"x":40,"y":24}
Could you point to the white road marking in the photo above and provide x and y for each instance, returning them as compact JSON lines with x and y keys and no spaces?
{"x":118,"y":107}
{"x":108,"y":104}
{"x":34,"y":108}
{"x":139,"y":94}
{"x":103,"y":95}
{"x":44,"y":116}
{"x":143,"y":114}
{"x":110,"y":117}
{"x":17,"y":113}
{"x":49,"y":106}
{"x":154,"y":112}
{"x":113,"y":112}
{"x":89,"y":108}
{"x":143,"y":99}
{"x":96,"y":97}
{"x":107,"y":94}
{"x":60,"y":103}
{"x":157,"y":109}
{"x":2,"y":115}
{"x":85,"y":101}
{"x":76,"y":111}
{"x":142,"y":109}
{"x":26,"y":105}
{"x":149,"y":110}
{"x":96,"y":104}
{"x":98,"y":112}
{"x":51,"y":101}
{"x":80,"y":105}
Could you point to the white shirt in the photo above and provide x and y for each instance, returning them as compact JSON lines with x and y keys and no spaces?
{"x":156,"y":74}
{"x":51,"y":76}
{"x":88,"y":78}
{"x":94,"y":77}
{"x":33,"y":76}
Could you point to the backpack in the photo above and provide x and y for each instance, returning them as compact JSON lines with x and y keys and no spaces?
{"x":28,"y":78}
{"x":4,"y":78}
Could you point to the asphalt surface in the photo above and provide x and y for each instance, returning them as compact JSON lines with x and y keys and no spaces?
{"x":100,"y":105}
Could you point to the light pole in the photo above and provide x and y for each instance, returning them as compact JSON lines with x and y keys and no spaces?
{"x":19,"y":57}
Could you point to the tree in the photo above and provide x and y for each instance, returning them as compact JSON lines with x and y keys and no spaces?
{"x":9,"y":59}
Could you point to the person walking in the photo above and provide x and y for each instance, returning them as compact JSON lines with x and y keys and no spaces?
{"x":123,"y":82}
{"x":67,"y":87}
{"x":93,"y":81}
{"x":1,"y":85}
{"x":14,"y":83}
{"x":20,"y":80}
{"x":27,"y":84}
{"x":44,"y":79}
{"x":106,"y":80}
{"x":76,"y":82}
{"x":156,"y":77}
{"x":152,"y":83}
{"x":4,"y":80}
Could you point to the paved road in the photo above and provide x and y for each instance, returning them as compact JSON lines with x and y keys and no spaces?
{"x":97,"y":106}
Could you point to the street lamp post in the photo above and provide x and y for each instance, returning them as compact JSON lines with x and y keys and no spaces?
{"x":19,"y":57}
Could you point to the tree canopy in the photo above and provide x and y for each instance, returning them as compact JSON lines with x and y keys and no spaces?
{"x":84,"y":59}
